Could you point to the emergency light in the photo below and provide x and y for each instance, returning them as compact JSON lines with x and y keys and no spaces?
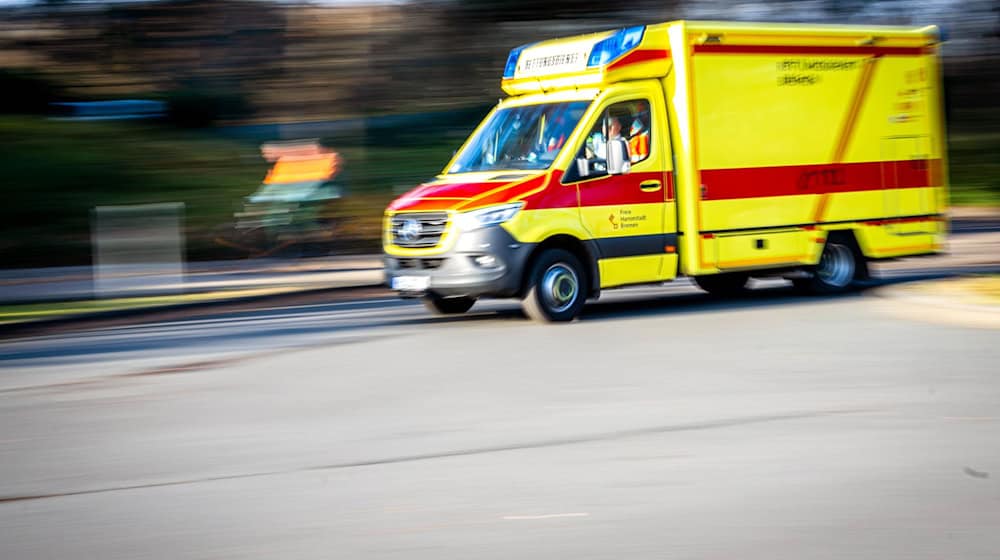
{"x":616,"y":45}
{"x":511,"y":67}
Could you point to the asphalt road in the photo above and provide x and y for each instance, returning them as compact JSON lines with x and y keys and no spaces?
{"x":665,"y":424}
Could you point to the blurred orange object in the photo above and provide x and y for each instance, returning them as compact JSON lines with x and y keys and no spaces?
{"x":297,"y":168}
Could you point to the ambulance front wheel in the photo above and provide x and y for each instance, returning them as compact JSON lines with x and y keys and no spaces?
{"x":448,"y":306}
{"x":556,"y":287}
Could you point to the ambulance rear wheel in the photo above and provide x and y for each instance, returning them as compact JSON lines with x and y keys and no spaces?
{"x":556,"y":287}
{"x":726,"y":284}
{"x":837,"y":268}
{"x":448,"y":306}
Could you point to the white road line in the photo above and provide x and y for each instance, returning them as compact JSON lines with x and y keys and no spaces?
{"x":379,"y":318}
{"x":358,"y":302}
{"x":206,"y":328}
{"x":248,"y":314}
{"x":312,"y":317}
{"x":546,"y":516}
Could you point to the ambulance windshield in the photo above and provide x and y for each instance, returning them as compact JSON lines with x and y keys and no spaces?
{"x":526,"y":137}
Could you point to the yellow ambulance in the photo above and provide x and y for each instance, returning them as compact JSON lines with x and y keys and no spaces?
{"x":719,"y":151}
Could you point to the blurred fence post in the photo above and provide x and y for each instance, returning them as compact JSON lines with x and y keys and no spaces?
{"x":138,"y":249}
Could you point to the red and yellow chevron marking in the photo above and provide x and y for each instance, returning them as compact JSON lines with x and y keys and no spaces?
{"x":637,"y":56}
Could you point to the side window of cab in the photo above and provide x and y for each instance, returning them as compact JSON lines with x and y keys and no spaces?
{"x":629,"y":121}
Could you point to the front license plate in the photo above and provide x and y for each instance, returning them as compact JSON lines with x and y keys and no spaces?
{"x":411,"y":283}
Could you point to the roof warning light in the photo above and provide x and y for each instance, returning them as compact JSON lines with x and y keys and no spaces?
{"x":511,"y":67}
{"x":614,"y":46}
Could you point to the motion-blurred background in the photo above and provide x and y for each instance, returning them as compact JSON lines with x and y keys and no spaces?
{"x":124,"y":103}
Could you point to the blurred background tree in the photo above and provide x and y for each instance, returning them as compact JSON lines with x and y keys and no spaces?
{"x":320,"y":61}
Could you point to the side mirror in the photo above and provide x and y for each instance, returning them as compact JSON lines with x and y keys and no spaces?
{"x":618,"y":162}
{"x":582,"y":167}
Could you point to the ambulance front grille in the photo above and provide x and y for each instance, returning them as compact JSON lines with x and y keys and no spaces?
{"x":419,"y":264}
{"x":415,"y":230}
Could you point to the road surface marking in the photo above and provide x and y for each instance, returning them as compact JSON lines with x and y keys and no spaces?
{"x":546,"y":516}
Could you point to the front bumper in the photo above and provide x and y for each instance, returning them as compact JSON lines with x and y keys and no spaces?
{"x":457,"y":272}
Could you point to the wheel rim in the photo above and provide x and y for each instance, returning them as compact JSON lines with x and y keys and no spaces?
{"x":560,"y":287}
{"x":836,"y":266}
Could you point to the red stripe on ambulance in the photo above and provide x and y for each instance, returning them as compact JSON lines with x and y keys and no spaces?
{"x":757,"y":182}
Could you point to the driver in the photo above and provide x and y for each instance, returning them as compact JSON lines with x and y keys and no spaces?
{"x":611,"y":129}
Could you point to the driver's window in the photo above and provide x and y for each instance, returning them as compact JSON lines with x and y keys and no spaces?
{"x":629,"y":121}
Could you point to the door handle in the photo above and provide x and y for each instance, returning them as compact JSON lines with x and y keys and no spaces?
{"x":650,"y":186}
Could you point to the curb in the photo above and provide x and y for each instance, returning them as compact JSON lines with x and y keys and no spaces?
{"x":936,"y":308}
{"x":13,"y":329}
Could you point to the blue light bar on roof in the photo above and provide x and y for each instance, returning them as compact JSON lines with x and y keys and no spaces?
{"x":615,"y":46}
{"x":511,"y":67}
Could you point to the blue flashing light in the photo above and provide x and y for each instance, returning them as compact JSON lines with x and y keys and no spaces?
{"x":614,"y":46}
{"x":511,"y":67}
{"x":943,"y":34}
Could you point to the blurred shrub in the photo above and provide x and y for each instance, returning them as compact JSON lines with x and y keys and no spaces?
{"x":27,"y":92}
{"x":200,"y":107}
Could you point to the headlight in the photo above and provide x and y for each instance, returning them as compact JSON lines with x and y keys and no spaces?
{"x":489,"y":216}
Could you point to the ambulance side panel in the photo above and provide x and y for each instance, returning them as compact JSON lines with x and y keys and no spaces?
{"x":780,"y":143}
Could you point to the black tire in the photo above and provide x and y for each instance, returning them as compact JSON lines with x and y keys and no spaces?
{"x":839,"y":265}
{"x":448,"y":305}
{"x":726,"y":284}
{"x":557,"y":287}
